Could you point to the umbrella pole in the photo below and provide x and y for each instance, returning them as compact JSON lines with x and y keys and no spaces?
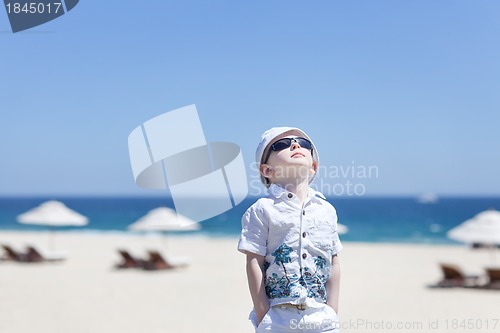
{"x":492,"y":249}
{"x":51,"y":238}
{"x":165,"y":243}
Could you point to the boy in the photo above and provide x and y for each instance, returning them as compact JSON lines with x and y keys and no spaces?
{"x":290,"y":240}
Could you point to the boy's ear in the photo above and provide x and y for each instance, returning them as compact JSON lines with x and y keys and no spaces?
{"x":266,"y":170}
{"x":314,"y":167}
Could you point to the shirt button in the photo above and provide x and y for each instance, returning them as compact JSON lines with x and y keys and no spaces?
{"x":303,"y":212}
{"x":290,"y":195}
{"x":304,"y":256}
{"x":304,"y":234}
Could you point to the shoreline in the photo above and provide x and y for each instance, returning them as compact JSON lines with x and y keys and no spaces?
{"x":215,"y":235}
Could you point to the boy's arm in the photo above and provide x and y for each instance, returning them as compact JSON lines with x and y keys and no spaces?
{"x":333,"y":284}
{"x":255,"y":277}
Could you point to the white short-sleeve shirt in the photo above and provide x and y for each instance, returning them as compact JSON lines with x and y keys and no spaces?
{"x":298,"y":243}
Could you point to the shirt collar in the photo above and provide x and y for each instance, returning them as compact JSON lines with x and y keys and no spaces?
{"x":278,"y":191}
{"x":315,"y":193}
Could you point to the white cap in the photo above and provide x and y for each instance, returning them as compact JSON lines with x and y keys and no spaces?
{"x":269,"y":136}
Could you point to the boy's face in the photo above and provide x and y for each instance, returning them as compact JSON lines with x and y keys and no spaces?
{"x":292,"y":163}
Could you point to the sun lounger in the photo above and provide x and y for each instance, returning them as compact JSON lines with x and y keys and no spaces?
{"x":454,"y":277}
{"x":493,"y":279}
{"x":129,"y":261}
{"x":39,"y":254}
{"x":158,"y":260}
{"x":11,"y":254}
{"x":493,"y":274}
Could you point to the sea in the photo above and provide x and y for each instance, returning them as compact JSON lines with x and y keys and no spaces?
{"x":369,"y":219}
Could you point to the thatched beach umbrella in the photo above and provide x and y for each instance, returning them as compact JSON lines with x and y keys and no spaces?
{"x":483,"y":229}
{"x":53,"y":214}
{"x":163,"y":219}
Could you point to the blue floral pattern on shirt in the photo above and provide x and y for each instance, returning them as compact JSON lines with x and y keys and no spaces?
{"x":285,"y":286}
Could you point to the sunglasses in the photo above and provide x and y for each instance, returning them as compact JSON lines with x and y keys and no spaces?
{"x":286,"y":143}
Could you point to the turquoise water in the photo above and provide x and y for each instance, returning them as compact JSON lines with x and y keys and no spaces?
{"x":402,"y":220}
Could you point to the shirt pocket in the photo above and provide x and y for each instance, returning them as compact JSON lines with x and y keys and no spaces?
{"x":322,"y":232}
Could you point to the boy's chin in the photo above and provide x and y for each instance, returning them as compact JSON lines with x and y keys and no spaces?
{"x":293,"y":173}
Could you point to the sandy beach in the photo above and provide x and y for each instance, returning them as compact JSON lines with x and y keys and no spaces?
{"x":383,"y":288}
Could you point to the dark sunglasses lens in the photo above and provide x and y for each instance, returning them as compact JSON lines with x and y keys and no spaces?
{"x":281,"y":144}
{"x":304,"y":143}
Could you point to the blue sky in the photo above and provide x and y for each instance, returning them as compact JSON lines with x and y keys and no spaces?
{"x":410,"y":87}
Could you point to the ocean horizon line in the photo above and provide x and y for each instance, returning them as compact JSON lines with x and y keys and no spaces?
{"x":156,"y":197}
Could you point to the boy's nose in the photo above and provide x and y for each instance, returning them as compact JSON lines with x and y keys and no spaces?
{"x":294,"y":145}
